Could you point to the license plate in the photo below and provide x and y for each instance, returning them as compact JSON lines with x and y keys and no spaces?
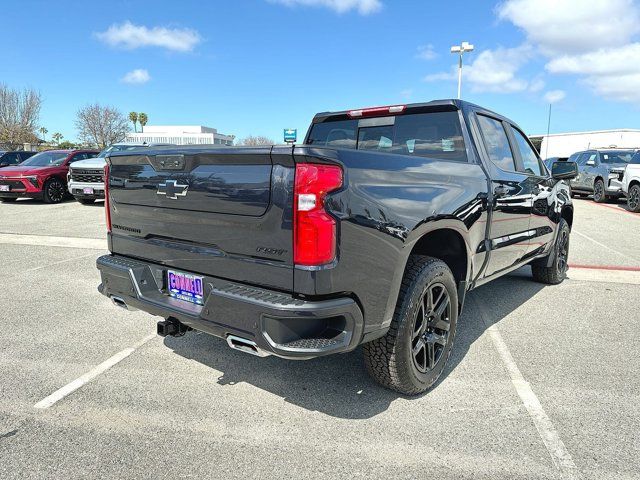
{"x":185,"y":286}
{"x":87,"y":191}
{"x":4,"y":188}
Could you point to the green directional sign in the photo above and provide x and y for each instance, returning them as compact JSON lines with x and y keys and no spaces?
{"x":290,"y":135}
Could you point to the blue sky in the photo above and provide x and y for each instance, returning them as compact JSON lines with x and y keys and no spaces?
{"x":258,"y":66}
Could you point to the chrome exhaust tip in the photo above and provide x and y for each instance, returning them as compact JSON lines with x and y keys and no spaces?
{"x":119,"y":302}
{"x":246,"y":346}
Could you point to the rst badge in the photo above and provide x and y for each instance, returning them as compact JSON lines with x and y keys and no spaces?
{"x":172,"y":189}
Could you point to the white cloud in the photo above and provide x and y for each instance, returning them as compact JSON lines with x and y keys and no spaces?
{"x":130,"y":36}
{"x":622,"y":88}
{"x":494,"y":71}
{"x":595,"y":39}
{"x":573,"y":26}
{"x":364,"y":7}
{"x":605,"y":61}
{"x":441,"y":76}
{"x":426,"y":52}
{"x":536,"y":85}
{"x":138,"y":76}
{"x":407,"y":93}
{"x":554,"y":96}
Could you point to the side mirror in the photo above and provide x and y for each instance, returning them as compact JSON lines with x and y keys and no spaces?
{"x":564,"y":170}
{"x":591,"y":163}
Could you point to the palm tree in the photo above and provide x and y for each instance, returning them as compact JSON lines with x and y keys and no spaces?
{"x":143,"y":119}
{"x":57,"y":137}
{"x":133,"y":116}
{"x":44,"y":132}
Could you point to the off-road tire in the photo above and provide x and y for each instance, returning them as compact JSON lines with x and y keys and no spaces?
{"x":389,"y":359}
{"x":557,"y":272}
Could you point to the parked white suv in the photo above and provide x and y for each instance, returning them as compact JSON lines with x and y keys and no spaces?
{"x":631,"y":183}
{"x":85,"y":179}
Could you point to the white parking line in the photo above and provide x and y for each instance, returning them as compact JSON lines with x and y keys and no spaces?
{"x":606,"y":247}
{"x":91,"y":374}
{"x":559,"y":454}
{"x":603,"y":276}
{"x":92,"y":254}
{"x":51,"y":241}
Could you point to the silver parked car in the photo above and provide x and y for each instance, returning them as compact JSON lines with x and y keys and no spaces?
{"x":600,"y":172}
{"x":85,"y":179}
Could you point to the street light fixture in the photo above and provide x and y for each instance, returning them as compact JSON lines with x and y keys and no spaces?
{"x":460,"y":50}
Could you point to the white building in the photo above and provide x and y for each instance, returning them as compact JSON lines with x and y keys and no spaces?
{"x":180,"y":135}
{"x":564,"y":144}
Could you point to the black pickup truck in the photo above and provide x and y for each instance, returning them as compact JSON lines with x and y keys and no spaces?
{"x":372,"y":233}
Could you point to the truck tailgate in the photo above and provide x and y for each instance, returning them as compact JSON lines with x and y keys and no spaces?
{"x":224,"y":212}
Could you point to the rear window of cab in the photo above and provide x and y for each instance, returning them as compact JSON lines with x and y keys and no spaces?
{"x":432,"y":135}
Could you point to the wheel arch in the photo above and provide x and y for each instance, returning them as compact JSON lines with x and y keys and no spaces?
{"x":446,"y":244}
{"x":567,"y":214}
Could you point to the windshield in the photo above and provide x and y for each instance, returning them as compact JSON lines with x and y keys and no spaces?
{"x":45,"y":159}
{"x":117,"y":148}
{"x":619,"y":156}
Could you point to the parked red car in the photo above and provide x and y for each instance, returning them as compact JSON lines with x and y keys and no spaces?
{"x":43,"y":176}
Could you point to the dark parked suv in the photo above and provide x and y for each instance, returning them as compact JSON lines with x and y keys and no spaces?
{"x":372,"y":233}
{"x":7,"y":159}
{"x":600,"y":172}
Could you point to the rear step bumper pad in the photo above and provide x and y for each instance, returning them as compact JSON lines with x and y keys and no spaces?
{"x":278,"y":323}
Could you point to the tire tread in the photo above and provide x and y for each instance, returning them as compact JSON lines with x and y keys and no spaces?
{"x":381,"y":355}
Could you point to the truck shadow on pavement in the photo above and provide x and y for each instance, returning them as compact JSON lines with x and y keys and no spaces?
{"x":339,"y":385}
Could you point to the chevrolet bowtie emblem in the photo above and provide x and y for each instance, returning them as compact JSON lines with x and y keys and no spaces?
{"x":172,"y":189}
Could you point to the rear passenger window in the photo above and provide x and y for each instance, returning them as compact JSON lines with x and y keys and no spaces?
{"x":376,"y":138}
{"x":341,"y":134}
{"x":529,"y":157}
{"x":432,"y":135}
{"x":582,"y":158}
{"x":435,"y":135}
{"x":497,"y":143}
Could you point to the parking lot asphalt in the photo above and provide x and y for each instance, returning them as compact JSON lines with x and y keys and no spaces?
{"x":543,"y":381}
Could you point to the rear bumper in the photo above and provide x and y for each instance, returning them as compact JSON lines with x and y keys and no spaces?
{"x":277,"y":323}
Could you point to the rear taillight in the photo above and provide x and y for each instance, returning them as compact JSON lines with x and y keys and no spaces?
{"x":314,"y":230}
{"x":106,"y":198}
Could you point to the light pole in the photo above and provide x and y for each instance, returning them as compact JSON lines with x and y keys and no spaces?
{"x":460,"y":50}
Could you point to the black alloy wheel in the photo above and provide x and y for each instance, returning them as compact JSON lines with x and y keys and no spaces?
{"x":598,"y":192}
{"x":54,"y":191}
{"x":633,"y":198}
{"x":558,"y":259}
{"x":431,"y":328}
{"x":413,"y":354}
{"x":562,"y":252}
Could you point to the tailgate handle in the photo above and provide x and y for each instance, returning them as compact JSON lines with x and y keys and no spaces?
{"x":168,"y":162}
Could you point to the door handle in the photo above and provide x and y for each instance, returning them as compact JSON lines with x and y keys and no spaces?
{"x":501,"y":191}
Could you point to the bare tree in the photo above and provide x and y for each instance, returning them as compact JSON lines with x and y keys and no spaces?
{"x":19,"y":115}
{"x":252,"y":141}
{"x":101,"y":126}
